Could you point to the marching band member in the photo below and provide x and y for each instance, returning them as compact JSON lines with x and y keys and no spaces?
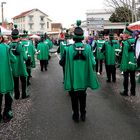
{"x":79,"y":72}
{"x":128,"y":63}
{"x":109,"y":50}
{"x":19,"y":68}
{"x":6,"y":80}
{"x":30,"y":50}
{"x":64,"y":43}
{"x":43,"y":53}
{"x":99,"y":56}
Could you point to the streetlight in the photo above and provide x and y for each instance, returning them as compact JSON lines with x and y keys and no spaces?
{"x":2,"y":11}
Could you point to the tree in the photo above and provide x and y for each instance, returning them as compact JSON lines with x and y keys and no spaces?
{"x":138,"y":14}
{"x":121,"y":14}
{"x":124,"y":6}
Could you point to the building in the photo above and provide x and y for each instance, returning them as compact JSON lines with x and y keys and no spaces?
{"x":34,"y":21}
{"x":98,"y":20}
{"x":56,"y":27}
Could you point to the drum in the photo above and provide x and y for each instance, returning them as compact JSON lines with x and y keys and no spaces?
{"x":137,"y":51}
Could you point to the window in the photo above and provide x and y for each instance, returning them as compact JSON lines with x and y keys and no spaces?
{"x":42,"y":25}
{"x":30,"y":17}
{"x":30,"y":26}
{"x":41,"y":18}
{"x":47,"y":24}
{"x":23,"y":19}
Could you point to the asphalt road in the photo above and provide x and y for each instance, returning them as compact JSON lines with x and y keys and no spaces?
{"x":47,"y":114}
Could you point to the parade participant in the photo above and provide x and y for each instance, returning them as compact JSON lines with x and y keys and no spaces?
{"x":128,"y":62}
{"x":109,"y":50}
{"x":19,"y":68}
{"x":30,"y":50}
{"x":137,"y":50}
{"x":48,"y":41}
{"x":99,"y":56}
{"x":43,"y":53}
{"x":64,"y":43}
{"x":79,"y":65}
{"x":6,"y":80}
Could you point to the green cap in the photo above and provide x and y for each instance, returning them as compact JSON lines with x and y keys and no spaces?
{"x":25,"y":34}
{"x":78,"y":31}
{"x":127,"y":30}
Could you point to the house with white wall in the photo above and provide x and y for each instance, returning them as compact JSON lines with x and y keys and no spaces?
{"x":34,"y":21}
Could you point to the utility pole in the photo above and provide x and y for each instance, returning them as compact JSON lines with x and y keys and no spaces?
{"x":2,"y":3}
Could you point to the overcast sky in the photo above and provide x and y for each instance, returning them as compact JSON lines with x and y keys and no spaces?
{"x":64,"y":11}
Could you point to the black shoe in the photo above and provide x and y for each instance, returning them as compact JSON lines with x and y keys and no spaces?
{"x":7,"y":116}
{"x":108,"y":81}
{"x":46,"y":69}
{"x":30,"y":76}
{"x":28,"y":83}
{"x":133,"y":94}
{"x":75,"y":118}
{"x":16,"y":98}
{"x":114,"y":81}
{"x":83,"y":117}
{"x":0,"y":118}
{"x":123,"y":93}
{"x":26,"y":97}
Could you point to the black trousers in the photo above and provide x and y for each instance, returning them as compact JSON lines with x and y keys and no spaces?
{"x":43,"y":64}
{"x":63,"y":73}
{"x":126,"y":75}
{"x":111,"y":72}
{"x":29,"y":74}
{"x":8,"y":103}
{"x":23,"y":86}
{"x":78,"y":99}
{"x":99,"y":65}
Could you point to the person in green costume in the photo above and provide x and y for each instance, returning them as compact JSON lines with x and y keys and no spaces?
{"x":49,"y":42}
{"x":6,"y":80}
{"x":19,"y":68}
{"x":79,"y":65}
{"x":128,"y":63}
{"x":30,"y":50}
{"x":43,"y":53}
{"x":110,"y":57}
{"x":63,"y":43}
{"x":99,"y":56}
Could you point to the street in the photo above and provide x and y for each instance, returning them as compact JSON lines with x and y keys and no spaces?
{"x":47,"y":114}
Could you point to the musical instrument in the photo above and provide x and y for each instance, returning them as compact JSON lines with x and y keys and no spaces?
{"x":137,"y":50}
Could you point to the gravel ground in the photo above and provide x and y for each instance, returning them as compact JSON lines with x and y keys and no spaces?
{"x":11,"y":130}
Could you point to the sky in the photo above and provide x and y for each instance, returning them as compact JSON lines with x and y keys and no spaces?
{"x":60,"y":11}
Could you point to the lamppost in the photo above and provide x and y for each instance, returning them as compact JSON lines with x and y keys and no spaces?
{"x":2,"y":3}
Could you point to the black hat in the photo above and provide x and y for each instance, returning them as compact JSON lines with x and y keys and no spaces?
{"x":100,"y":35}
{"x":25,"y":34}
{"x":67,"y":36}
{"x":111,"y":34}
{"x":78,"y":31}
{"x":15,"y":33}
